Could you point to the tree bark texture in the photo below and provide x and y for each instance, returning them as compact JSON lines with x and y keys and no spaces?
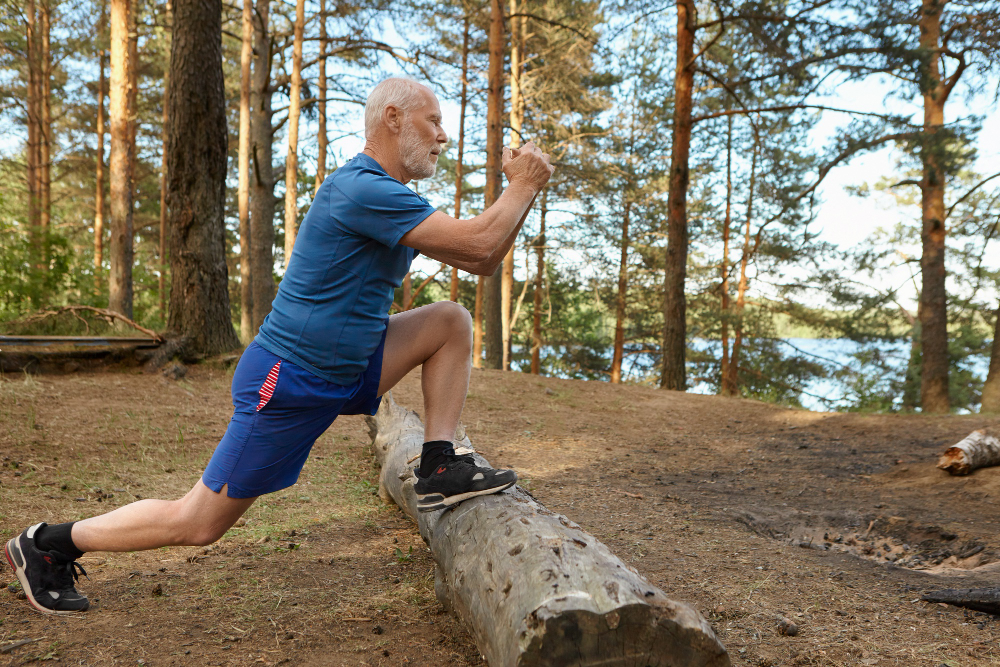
{"x":536,"y":316}
{"x":34,"y":151}
{"x":516,"y":121}
{"x":133,"y":94}
{"x":292,"y":160}
{"x":726,"y":386}
{"x":673,"y":372}
{"x":531,"y":585}
{"x":262,"y":202}
{"x":45,"y":121}
{"x":979,"y":599}
{"x":243,"y":195}
{"x":168,"y":10}
{"x":477,"y":325}
{"x":99,"y":176}
{"x":492,"y":297}
{"x":981,"y":449}
{"x":459,"y":163}
{"x":619,"y":344}
{"x":933,"y":297}
{"x":991,"y":388}
{"x":321,"y":136}
{"x":199,"y":295}
{"x":120,"y":164}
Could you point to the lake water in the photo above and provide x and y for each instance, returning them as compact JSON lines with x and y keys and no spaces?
{"x":832,"y":353}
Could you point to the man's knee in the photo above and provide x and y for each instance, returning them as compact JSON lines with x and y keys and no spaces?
{"x":191,"y":530}
{"x":455,"y":316}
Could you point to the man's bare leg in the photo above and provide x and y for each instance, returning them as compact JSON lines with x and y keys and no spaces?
{"x":439,"y":337}
{"x":199,"y":518}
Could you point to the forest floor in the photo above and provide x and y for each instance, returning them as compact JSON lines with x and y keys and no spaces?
{"x":839,"y":522}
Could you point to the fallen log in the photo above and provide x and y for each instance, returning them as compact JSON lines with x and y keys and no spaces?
{"x":977,"y":599}
{"x":533,"y":588}
{"x":980,"y":449}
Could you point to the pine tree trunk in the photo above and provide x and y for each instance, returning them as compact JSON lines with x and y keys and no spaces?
{"x":243,"y":195}
{"x":516,"y":121}
{"x":459,"y":164}
{"x":477,"y":325}
{"x":492,"y":297}
{"x":733,"y":379}
{"x":991,"y":389}
{"x":619,"y":344}
{"x":33,"y":153}
{"x":407,"y":295}
{"x":727,"y":387}
{"x":933,"y":295}
{"x":292,"y":161}
{"x":163,"y":178}
{"x":321,"y":136}
{"x":133,"y":97}
{"x":120,"y":166}
{"x":45,"y":134}
{"x":262,"y":203}
{"x":673,"y":372}
{"x":536,"y":318}
{"x":99,"y":190}
{"x":196,"y":192}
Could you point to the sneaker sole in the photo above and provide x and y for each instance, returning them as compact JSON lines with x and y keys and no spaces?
{"x":19,"y":572}
{"x":435,"y":501}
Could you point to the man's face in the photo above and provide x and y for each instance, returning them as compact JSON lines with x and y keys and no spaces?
{"x":421,"y":137}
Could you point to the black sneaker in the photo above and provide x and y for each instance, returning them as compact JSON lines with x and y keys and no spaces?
{"x":47,"y":577}
{"x":457,"y":480}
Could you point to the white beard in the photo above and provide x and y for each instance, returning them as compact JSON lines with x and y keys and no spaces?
{"x":417,"y":157}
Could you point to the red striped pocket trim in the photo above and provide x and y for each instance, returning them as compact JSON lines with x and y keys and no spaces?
{"x":266,"y":390}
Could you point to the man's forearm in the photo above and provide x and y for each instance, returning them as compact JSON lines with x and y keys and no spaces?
{"x":512,"y":237}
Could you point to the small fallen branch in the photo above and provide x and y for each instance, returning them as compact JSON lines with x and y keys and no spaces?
{"x":977,"y":599}
{"x":10,"y":647}
{"x":980,"y":449}
{"x":108,"y":316}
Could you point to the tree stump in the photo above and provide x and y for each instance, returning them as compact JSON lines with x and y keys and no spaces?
{"x":980,"y":449}
{"x":535,"y":589}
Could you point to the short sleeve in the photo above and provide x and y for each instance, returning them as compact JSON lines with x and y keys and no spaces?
{"x":369,"y":202}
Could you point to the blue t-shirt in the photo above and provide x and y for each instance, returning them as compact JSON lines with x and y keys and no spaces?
{"x":332,"y":304}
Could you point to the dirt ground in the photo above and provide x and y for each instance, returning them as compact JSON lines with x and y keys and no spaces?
{"x":749,"y":512}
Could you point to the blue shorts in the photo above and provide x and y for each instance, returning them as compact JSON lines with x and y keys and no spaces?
{"x":280,"y":410}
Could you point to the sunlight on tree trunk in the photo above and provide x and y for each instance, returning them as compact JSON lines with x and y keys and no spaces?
{"x":536,"y":318}
{"x":933,"y":295}
{"x":991,"y":389}
{"x":292,"y":161}
{"x":33,"y":104}
{"x":459,"y":165}
{"x":168,"y":14}
{"x":733,"y":379}
{"x":243,"y":194}
{"x":673,"y":372}
{"x":477,"y":325}
{"x":99,"y":177}
{"x":321,"y":136}
{"x":492,"y":298}
{"x":120,"y":164}
{"x":619,"y":343}
{"x":516,"y":120}
{"x":45,"y":135}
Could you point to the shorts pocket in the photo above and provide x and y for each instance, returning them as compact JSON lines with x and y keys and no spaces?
{"x":266,"y":390}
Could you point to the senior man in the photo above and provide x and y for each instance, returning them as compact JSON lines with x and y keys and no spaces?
{"x":328,"y":348}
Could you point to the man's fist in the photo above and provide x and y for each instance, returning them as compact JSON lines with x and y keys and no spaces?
{"x":527,"y":165}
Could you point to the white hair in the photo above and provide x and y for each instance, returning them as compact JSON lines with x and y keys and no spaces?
{"x":404,"y":94}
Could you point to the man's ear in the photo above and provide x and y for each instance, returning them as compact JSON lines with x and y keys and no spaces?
{"x":393,"y":118}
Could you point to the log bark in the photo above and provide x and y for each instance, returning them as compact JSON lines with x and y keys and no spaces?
{"x":981,"y":449}
{"x":978,"y":599}
{"x":532,"y":586}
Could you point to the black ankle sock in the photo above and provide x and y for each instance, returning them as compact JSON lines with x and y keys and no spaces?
{"x":435,"y":453}
{"x":57,"y":538}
